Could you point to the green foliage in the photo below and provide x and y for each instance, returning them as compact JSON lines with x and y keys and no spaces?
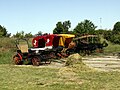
{"x":100,"y":31}
{"x":7,"y":43}
{"x":28,"y":35}
{"x":85,"y":27}
{"x":7,"y":47}
{"x":3,"y":32}
{"x":19,"y":34}
{"x":6,"y":56}
{"x":116,"y":28}
{"x":23,"y":35}
{"x":39,"y":33}
{"x":62,"y":27}
{"x":113,"y":35}
{"x":107,"y":35}
{"x":112,"y":48}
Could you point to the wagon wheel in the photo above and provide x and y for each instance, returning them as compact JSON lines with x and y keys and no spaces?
{"x":36,"y":61}
{"x":52,"y":55}
{"x":17,"y":60}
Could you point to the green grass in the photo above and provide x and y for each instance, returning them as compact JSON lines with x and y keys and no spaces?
{"x":36,"y":78}
{"x":6,"y":57}
{"x":75,"y":77}
{"x":7,"y":48}
{"x":112,"y":48}
{"x":100,"y":80}
{"x":7,"y":42}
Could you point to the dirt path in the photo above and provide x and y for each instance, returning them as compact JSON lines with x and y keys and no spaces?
{"x":109,"y":63}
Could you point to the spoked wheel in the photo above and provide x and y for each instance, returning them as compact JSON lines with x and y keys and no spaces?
{"x":17,"y":60}
{"x":36,"y":61}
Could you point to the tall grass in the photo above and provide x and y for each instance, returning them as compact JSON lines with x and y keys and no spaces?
{"x":7,"y":43}
{"x":7,"y":48}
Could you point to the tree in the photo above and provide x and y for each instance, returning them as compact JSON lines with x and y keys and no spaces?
{"x":39,"y":33}
{"x":85,"y":27}
{"x":3,"y":31}
{"x":108,"y":35}
{"x":19,"y":35}
{"x":66,"y":25}
{"x":22,"y":34}
{"x":116,"y":28}
{"x":59,"y":28}
{"x":62,"y":27}
{"x":28,"y":35}
{"x":100,"y":31}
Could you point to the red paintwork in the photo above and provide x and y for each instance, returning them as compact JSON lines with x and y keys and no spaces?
{"x":46,"y":40}
{"x":20,"y":56}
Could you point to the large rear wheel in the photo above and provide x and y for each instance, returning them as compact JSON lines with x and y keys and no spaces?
{"x":36,"y":61}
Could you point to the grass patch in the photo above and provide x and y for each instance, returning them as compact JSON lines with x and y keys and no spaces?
{"x":112,"y":48}
{"x":66,"y":78}
{"x":100,"y":80}
{"x":7,"y":48}
{"x":7,"y":42}
{"x":6,"y":57}
{"x":75,"y":76}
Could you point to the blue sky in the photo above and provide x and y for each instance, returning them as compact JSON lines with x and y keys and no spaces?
{"x":42,"y":15}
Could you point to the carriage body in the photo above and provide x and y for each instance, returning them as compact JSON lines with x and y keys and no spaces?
{"x":45,"y":48}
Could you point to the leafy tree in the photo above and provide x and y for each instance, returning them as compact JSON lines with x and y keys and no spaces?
{"x":108,"y":35}
{"x":114,"y":35}
{"x":20,"y":34}
{"x":85,"y":27}
{"x":66,"y":25}
{"x":3,"y":31}
{"x":8,"y":34}
{"x":39,"y":33}
{"x":28,"y":35}
{"x":116,"y":28}
{"x":59,"y":28}
{"x":100,"y":32}
{"x":62,"y":27}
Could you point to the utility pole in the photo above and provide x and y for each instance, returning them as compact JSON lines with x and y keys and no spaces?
{"x":100,"y":23}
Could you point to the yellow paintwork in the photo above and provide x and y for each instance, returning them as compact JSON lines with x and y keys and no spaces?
{"x":63,"y":38}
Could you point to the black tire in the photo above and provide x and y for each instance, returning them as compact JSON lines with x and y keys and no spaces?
{"x":36,"y":61}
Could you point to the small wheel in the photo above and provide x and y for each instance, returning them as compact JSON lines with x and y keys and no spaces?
{"x":17,"y":60}
{"x":36,"y":61}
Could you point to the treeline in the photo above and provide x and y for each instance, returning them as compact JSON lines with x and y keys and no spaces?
{"x":82,"y":28}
